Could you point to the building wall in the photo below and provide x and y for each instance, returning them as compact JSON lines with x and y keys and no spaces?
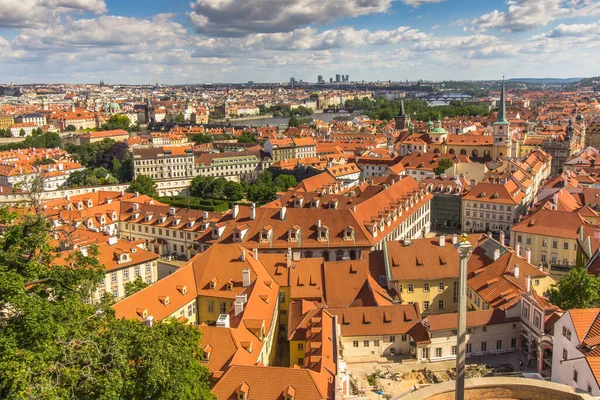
{"x":114,"y":281}
{"x":378,"y":345}
{"x":434,"y":295}
{"x":488,"y":336}
{"x":481,"y":216}
{"x":563,"y":371}
{"x":209,"y":308}
{"x":559,"y":259}
{"x":445,"y":210}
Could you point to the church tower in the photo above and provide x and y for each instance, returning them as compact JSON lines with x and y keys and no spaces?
{"x":503,"y":146}
{"x":401,"y":120}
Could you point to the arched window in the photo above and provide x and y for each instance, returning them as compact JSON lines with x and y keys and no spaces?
{"x":463,"y":152}
{"x":436,"y":150}
{"x":475,"y":153}
{"x":451,"y":151}
{"x":486,"y":153}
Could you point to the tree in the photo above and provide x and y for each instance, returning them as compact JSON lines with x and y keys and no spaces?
{"x":200,"y":138}
{"x":283,"y":182}
{"x":56,"y":344}
{"x":247,"y":137}
{"x":200,"y":185}
{"x":117,"y":121}
{"x":577,"y":289}
{"x":22,"y":132}
{"x":233,"y":191}
{"x":70,"y":128}
{"x":443,"y":165}
{"x":135,"y":286}
{"x":143,"y":184}
{"x":293,"y":122}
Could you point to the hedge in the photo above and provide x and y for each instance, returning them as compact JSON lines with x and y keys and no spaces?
{"x":196,"y":203}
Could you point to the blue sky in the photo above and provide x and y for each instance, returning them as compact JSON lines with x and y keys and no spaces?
{"x":198,"y":41}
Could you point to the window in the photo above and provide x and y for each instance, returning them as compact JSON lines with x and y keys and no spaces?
{"x":210,"y":306}
{"x":455,"y":292}
{"x":375,"y":343}
{"x":125,"y":274}
{"x":566,"y":245}
{"x":392,"y":339}
{"x":544,"y":242}
{"x":499,"y":344}
{"x":565,"y":354}
{"x":441,"y":304}
{"x":411,"y":288}
{"x":485,"y":328}
{"x":441,"y":286}
{"x":536,"y":282}
{"x":115,"y":293}
{"x":366,"y":343}
{"x":514,"y":326}
{"x":513,"y":343}
{"x":223,"y":307}
{"x":282,"y":312}
{"x":355,"y":343}
{"x":469,"y":349}
{"x":438,"y":352}
{"x":190,"y":310}
{"x":543,"y":258}
{"x":555,"y":244}
{"x":148,"y":268}
{"x":301,"y":360}
{"x":453,"y":350}
{"x":483,"y":346}
{"x":137,"y":271}
{"x":528,"y":240}
{"x":404,"y":338}
{"x":426,"y":305}
{"x":426,"y":287}
{"x":113,"y":277}
{"x":300,"y":346}
{"x":469,"y":330}
{"x":454,"y":332}
{"x":281,"y":297}
{"x":575,"y":375}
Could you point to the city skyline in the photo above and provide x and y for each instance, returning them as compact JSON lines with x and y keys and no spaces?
{"x":85,"y":41}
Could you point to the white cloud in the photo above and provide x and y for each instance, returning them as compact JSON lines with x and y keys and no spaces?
{"x":32,"y":13}
{"x":237,"y":18}
{"x":575,"y":30}
{"x":523,"y":15}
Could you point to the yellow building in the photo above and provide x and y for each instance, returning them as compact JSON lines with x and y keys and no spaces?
{"x":6,"y":121}
{"x":549,"y":238}
{"x":425,"y":272}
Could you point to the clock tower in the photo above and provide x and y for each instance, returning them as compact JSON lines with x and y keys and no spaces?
{"x":503,"y":145}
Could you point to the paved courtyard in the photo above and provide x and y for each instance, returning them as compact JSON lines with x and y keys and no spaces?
{"x":361,"y":368}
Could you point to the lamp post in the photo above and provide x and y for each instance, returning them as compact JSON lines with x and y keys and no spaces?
{"x":464,"y":250}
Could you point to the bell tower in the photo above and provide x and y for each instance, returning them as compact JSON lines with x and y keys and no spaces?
{"x":503,"y":146}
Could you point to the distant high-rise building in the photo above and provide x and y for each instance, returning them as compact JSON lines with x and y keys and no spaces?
{"x":320,"y":79}
{"x":292,"y":82}
{"x":330,"y":80}
{"x":347,"y":78}
{"x":337,"y":78}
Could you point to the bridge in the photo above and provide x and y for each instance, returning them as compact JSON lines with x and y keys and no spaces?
{"x":341,"y":109}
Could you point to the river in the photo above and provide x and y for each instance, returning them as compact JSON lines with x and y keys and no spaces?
{"x":327,"y":117}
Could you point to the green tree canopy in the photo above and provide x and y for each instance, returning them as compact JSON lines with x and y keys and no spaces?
{"x":135,"y":286}
{"x":577,"y":289}
{"x":143,"y":184}
{"x":118,"y":121}
{"x":70,"y":128}
{"x":55,"y":344}
{"x":443,"y":165}
{"x":293,"y":122}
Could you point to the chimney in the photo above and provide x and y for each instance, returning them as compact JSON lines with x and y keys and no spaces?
{"x":496,"y":254}
{"x":442,"y":240}
{"x":171,"y":210}
{"x":239,"y":308}
{"x":555,"y":198}
{"x":528,"y":255}
{"x":243,"y":257}
{"x":242,"y":298}
{"x":455,"y":239}
{"x":490,"y":234}
{"x":318,"y":223}
{"x":518,"y":248}
{"x":282,"y":213}
{"x":288,"y":259}
{"x":236,"y":210}
{"x":253,"y":211}
{"x":472,"y":183}
{"x":502,"y":238}
{"x":528,"y":280}
{"x":205,"y":215}
{"x":67,"y":197}
{"x":135,"y":206}
{"x":122,"y":193}
{"x":245,"y":277}
{"x":136,"y":194}
{"x":255,"y":253}
{"x":149,"y":321}
{"x":516,"y":270}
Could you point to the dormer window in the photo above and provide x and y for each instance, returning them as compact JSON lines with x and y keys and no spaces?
{"x":90,"y":204}
{"x":182,"y":289}
{"x":298,"y":202}
{"x":349,"y":233}
{"x":264,"y":236}
{"x":323,"y":233}
{"x":294,"y":233}
{"x":148,"y":217}
{"x":230,"y":284}
{"x":213,"y":283}
{"x":215,"y":233}
{"x":80,"y":206}
{"x":236,"y":236}
{"x":314,"y":203}
{"x":166,"y":300}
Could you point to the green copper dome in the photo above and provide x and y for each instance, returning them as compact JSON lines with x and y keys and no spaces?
{"x":429,"y":124}
{"x":438,"y":131}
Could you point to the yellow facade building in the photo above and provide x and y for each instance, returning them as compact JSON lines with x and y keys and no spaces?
{"x":6,"y":121}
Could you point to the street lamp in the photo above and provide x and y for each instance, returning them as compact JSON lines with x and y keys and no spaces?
{"x":464,"y":250}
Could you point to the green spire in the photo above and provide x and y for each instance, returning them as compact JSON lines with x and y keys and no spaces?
{"x":502,"y":108}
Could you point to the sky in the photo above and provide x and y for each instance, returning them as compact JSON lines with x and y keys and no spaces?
{"x":199,"y":41}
